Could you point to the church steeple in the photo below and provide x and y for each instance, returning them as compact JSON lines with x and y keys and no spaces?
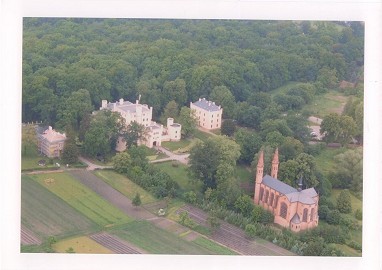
{"x":275,"y":164}
{"x":260,"y":168}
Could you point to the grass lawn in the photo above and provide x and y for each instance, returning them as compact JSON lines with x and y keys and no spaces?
{"x":203,"y":136}
{"x":180,"y":175}
{"x":82,"y":199}
{"x":157,"y":241}
{"x":46,"y":214}
{"x":81,"y":244}
{"x":177,"y":146}
{"x":124,"y":185}
{"x":243,"y":174}
{"x":213,"y":247}
{"x":330,"y":102}
{"x":355,"y":202}
{"x":325,"y":160}
{"x":30,"y":158}
{"x":283,"y":89}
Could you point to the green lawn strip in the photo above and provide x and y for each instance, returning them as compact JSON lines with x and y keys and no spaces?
{"x":158,"y":241}
{"x":243,"y":174}
{"x":325,"y":160}
{"x":46,"y":214}
{"x":124,"y":185}
{"x":355,"y":202}
{"x":349,"y":251}
{"x":325,"y":104}
{"x":173,"y":146}
{"x":180,"y":175}
{"x":83,"y":199}
{"x":213,"y":247}
{"x":201,"y":135}
{"x":283,"y":89}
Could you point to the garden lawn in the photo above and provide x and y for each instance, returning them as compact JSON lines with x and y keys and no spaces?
{"x":157,"y":241}
{"x":46,"y":214}
{"x":177,"y":146}
{"x":201,"y":135}
{"x":330,"y":102}
{"x":81,"y":244}
{"x":124,"y":185}
{"x":243,"y":174}
{"x":355,"y":202}
{"x":325,"y":160}
{"x":82,"y":199}
{"x":180,"y":175}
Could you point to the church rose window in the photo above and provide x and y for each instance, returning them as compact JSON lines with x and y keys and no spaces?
{"x":312,"y":214}
{"x":261,"y":194}
{"x":305,"y":215}
{"x":271,"y":199}
{"x":283,"y":210}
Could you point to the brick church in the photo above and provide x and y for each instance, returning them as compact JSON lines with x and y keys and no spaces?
{"x":292,"y":208}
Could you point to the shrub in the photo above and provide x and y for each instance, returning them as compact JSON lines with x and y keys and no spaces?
{"x":250,"y":230}
{"x":323,"y":212}
{"x":355,"y":245}
{"x":344,"y":202}
{"x":333,"y":217}
{"x":358,"y":214}
{"x":190,"y":197}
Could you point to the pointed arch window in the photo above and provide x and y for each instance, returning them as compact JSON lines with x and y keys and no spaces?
{"x":305,"y":215}
{"x":261,"y":194}
{"x":283,"y":210}
{"x":312,"y":214}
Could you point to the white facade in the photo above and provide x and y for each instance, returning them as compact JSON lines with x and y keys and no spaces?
{"x":142,"y":114}
{"x":208,"y":114}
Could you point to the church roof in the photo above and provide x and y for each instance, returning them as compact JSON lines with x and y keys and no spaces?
{"x":278,"y":185}
{"x":299,"y":196}
{"x":296,"y":219}
{"x":305,"y":196}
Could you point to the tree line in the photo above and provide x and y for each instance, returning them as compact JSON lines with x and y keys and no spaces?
{"x":181,"y":60}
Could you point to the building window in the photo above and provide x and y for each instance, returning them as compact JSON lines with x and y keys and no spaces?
{"x":217,"y":125}
{"x":212,"y":121}
{"x":305,"y":215}
{"x":261,"y":194}
{"x":312,"y":214}
{"x":176,"y":131}
{"x":266,"y":196}
{"x":211,"y":126}
{"x":283,"y":210}
{"x":271,"y":199}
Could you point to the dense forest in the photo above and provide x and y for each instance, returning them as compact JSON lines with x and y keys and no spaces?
{"x":182,"y":60}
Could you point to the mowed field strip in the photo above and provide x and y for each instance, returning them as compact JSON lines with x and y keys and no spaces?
{"x":45,"y":214}
{"x":82,"y":199}
{"x":82,"y":244}
{"x":125,"y":185}
{"x":158,"y":241}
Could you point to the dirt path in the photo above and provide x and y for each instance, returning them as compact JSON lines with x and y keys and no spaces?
{"x":228,"y":235}
{"x":171,"y":156}
{"x":115,"y":244}
{"x":234,"y":237}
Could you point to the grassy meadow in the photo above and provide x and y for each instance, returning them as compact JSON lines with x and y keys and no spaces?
{"x":82,"y":199}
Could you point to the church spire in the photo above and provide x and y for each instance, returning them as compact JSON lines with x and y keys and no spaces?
{"x":260,"y":168}
{"x":275,"y":164}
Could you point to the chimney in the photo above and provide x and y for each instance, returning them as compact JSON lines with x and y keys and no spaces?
{"x":121,"y":101}
{"x":200,"y":99}
{"x":300,"y":184}
{"x":104,"y":104}
{"x":50,"y":128}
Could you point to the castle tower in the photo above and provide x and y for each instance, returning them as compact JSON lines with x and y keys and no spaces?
{"x":259,"y":176}
{"x":275,"y":164}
